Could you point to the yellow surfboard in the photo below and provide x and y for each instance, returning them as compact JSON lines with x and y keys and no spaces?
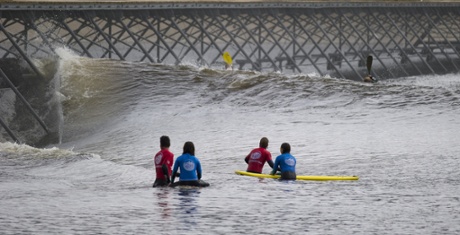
{"x":300,"y":177}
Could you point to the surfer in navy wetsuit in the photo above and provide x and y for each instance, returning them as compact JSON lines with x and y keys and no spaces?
{"x":257,"y":157}
{"x":163,"y":163}
{"x":286,"y":162}
{"x":190,"y":168}
{"x":369,"y":77}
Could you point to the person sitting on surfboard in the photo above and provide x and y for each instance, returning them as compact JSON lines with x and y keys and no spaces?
{"x":190,"y":168}
{"x":257,"y":157}
{"x":286,"y":163}
{"x":163,"y":162}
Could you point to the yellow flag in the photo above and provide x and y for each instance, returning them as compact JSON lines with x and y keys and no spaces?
{"x":227,"y":58}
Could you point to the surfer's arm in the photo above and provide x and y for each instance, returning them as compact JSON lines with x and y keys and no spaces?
{"x":198,"y":169}
{"x":246,"y":159}
{"x":272,"y":165}
{"x":165,"y":172}
{"x":174,"y":172}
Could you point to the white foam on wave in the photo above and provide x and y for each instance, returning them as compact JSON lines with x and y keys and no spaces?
{"x":440,"y":81}
{"x":24,"y":150}
{"x":68,"y":63}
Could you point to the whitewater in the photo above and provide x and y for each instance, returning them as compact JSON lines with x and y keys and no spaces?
{"x":400,"y":136}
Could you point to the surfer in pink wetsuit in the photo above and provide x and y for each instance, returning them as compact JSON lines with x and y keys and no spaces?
{"x":257,"y":157}
{"x":163,"y":163}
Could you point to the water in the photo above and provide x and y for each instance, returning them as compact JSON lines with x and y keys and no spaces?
{"x":399,"y":136}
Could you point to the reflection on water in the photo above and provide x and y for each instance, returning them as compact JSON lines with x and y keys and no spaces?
{"x":163,"y":197}
{"x":187,"y":208}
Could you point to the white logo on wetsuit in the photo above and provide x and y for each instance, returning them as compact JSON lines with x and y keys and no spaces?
{"x":256,"y":155}
{"x":289,"y":161}
{"x":158,"y":158}
{"x":189,"y":166}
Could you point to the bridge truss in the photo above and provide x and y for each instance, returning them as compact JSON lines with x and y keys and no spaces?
{"x":326,"y":38}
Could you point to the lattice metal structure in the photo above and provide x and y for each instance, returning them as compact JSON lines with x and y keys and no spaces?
{"x":326,"y":38}
{"x":405,"y":39}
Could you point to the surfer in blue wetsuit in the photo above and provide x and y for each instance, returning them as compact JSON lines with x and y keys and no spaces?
{"x":190,"y":168}
{"x":286,"y":162}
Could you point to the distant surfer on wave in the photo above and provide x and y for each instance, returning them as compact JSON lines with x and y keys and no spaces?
{"x":190,"y":168}
{"x":228,"y":66}
{"x":227,"y":60}
{"x":369,"y":77}
{"x":286,"y":163}
{"x":257,"y":157}
{"x":163,"y":163}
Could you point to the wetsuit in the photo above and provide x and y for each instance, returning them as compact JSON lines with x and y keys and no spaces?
{"x":286,"y":162}
{"x":257,"y":158}
{"x":190,"y":171}
{"x":163,"y":163}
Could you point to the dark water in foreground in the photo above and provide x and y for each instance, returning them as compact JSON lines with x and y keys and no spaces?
{"x":399,"y":136}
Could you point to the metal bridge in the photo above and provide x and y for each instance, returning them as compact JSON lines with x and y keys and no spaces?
{"x":325,"y":38}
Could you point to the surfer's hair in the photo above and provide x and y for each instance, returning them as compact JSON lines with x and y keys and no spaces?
{"x":285,"y":148}
{"x":165,"y":142}
{"x":263,"y":142}
{"x":189,"y":148}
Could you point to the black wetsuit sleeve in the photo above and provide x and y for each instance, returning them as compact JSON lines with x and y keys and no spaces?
{"x":173,"y":176}
{"x":270,"y":163}
{"x":246,"y":159}
{"x":199,"y":175}
{"x":165,"y":172}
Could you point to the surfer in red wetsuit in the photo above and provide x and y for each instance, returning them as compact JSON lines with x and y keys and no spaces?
{"x":163,"y":163}
{"x":257,"y":157}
